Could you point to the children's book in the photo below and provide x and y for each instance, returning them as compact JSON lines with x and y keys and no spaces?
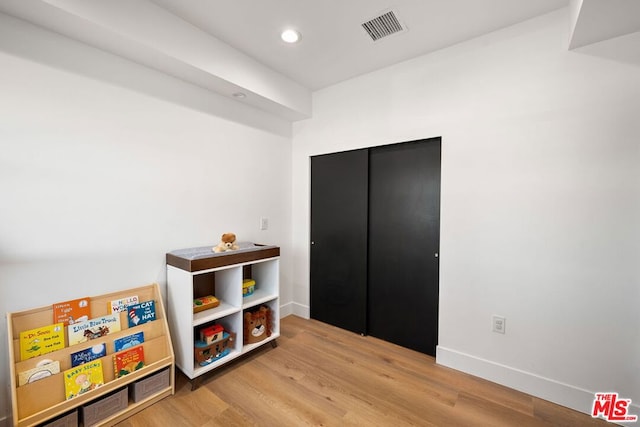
{"x":42,"y":370}
{"x":88,"y":354}
{"x":83,"y":378}
{"x":73,"y":311}
{"x":93,"y":328}
{"x":38,"y":341}
{"x":128,"y":361}
{"x":129,"y":341}
{"x":141,"y":313}
{"x":120,"y":305}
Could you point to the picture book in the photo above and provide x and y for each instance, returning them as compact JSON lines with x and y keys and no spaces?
{"x":38,"y":341}
{"x":128,"y":361}
{"x":42,"y":370}
{"x":73,"y":311}
{"x":83,"y":378}
{"x":88,"y":354}
{"x":141,"y":313}
{"x":129,"y":341}
{"x":93,"y":328}
{"x":120,"y":305}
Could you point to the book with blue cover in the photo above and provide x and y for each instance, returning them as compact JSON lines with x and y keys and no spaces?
{"x":88,"y":354}
{"x":129,"y":341}
{"x":141,"y":313}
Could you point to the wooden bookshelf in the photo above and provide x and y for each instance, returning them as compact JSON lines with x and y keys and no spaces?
{"x":44,"y":400}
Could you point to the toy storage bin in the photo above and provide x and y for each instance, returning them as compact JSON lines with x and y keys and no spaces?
{"x":67,"y":420}
{"x":111,"y":404}
{"x":256,"y":324}
{"x":149,"y":386}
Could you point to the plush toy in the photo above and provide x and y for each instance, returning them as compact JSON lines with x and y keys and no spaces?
{"x":227,"y":243}
{"x":257,"y":325}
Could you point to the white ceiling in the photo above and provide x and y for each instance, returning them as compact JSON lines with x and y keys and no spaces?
{"x":233,"y":46}
{"x":334,"y":46}
{"x":598,"y":20}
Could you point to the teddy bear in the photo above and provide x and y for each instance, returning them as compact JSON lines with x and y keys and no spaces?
{"x":227,"y":243}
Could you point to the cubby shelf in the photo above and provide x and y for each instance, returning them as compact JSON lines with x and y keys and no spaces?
{"x":198,"y":272}
{"x":44,"y":400}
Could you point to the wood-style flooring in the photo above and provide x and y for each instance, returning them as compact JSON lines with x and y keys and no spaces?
{"x":320,"y":375}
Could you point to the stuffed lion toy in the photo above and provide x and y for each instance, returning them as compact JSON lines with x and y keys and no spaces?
{"x":257,"y":325}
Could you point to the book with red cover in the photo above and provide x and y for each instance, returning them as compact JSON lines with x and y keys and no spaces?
{"x":128,"y":361}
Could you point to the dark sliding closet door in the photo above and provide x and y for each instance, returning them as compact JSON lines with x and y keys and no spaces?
{"x":404,"y":236}
{"x":339,"y":187}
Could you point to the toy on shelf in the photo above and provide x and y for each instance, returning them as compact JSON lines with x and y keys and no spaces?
{"x":248,"y":286}
{"x":227,"y":243}
{"x":211,"y":334}
{"x":205,"y":303}
{"x":209,"y":353}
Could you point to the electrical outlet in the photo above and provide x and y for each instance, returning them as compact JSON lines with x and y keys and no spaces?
{"x":499,"y":324}
{"x":264,"y":223}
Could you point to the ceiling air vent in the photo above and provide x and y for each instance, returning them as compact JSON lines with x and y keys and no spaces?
{"x":383,"y":26}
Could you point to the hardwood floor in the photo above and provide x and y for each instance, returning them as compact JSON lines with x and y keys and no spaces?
{"x":324,"y":376}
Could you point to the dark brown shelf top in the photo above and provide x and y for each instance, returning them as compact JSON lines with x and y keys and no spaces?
{"x":203,"y":257}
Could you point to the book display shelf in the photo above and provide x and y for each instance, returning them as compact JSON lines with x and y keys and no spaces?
{"x":43,"y":402}
{"x":195,"y":273}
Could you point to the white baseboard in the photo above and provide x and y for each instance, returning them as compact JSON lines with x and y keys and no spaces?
{"x":301,"y":310}
{"x":554,"y":391}
{"x":295,"y":309}
{"x":286,"y":309}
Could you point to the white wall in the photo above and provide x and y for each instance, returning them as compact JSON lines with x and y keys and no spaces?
{"x":98,"y":182}
{"x":540,"y":212}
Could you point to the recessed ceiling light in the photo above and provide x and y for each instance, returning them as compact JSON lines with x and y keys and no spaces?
{"x":290,"y":36}
{"x":239,"y":95}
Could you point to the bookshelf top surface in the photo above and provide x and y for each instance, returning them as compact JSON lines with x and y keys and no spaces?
{"x":203,"y":257}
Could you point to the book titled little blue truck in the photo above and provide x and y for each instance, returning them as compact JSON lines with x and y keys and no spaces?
{"x":93,"y":328}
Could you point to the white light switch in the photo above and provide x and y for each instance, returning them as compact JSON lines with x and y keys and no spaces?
{"x":264,"y":223}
